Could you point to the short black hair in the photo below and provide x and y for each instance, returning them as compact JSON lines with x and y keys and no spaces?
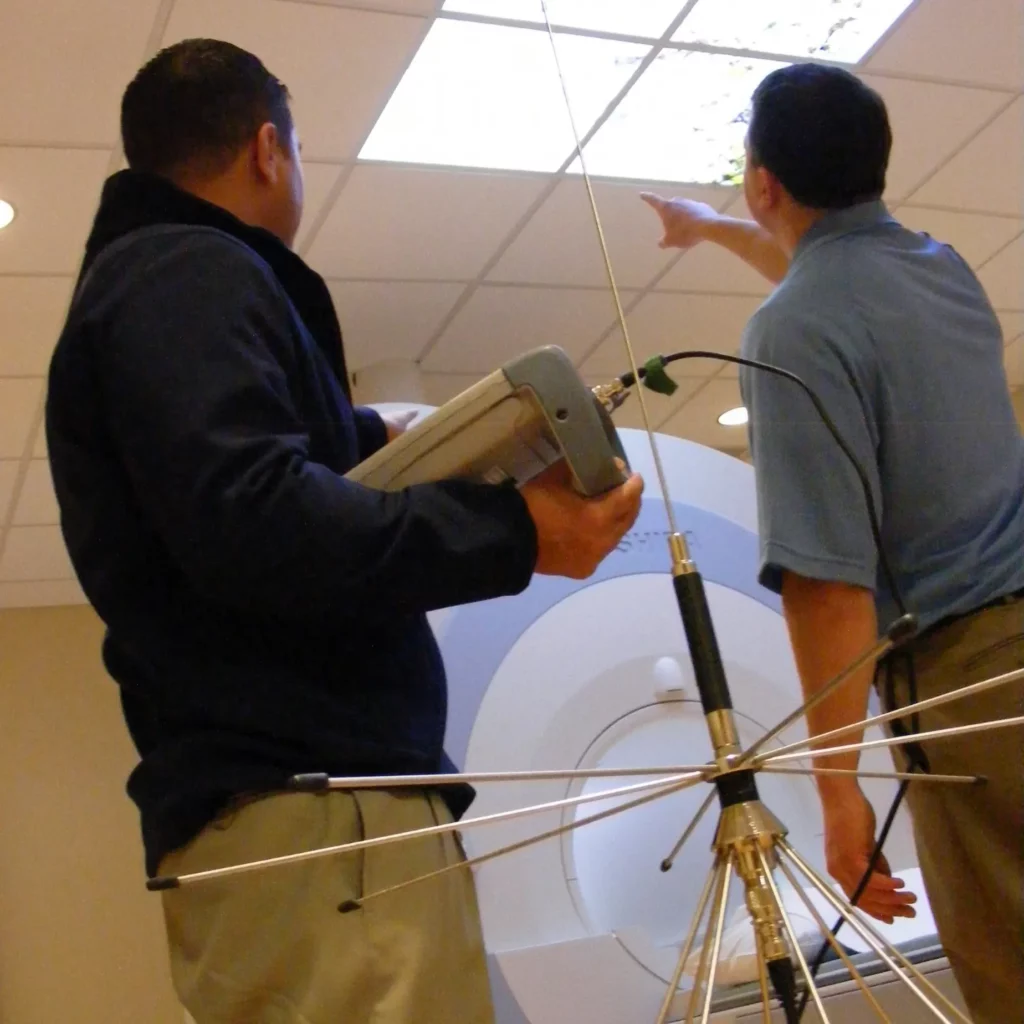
{"x":823,"y":133}
{"x":196,"y":104}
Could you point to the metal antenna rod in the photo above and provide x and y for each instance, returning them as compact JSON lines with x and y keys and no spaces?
{"x":896,"y":741}
{"x":521,"y":844}
{"x":832,"y":941}
{"x":717,"y":868}
{"x":619,"y":311}
{"x":175,"y":881}
{"x":318,"y":782}
{"x":881,"y":947}
{"x":762,"y":981}
{"x":794,"y":943}
{"x":900,"y":630}
{"x":666,"y":864}
{"x":971,"y":690}
{"x":716,"y":947}
{"x":965,"y":780}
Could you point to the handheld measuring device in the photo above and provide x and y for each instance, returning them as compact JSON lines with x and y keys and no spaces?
{"x":529,"y":414}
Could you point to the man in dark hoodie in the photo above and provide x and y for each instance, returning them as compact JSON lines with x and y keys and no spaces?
{"x":265,"y":616}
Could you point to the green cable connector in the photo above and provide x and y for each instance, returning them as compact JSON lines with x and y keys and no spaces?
{"x":656,"y":379}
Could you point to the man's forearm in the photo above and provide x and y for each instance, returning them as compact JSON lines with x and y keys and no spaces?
{"x":751,"y":243}
{"x":830,"y":625}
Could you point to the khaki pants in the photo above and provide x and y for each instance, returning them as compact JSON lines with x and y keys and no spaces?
{"x":970,"y":839}
{"x":270,"y":946}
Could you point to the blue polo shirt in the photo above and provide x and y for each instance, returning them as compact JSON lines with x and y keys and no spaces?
{"x":894,"y":333}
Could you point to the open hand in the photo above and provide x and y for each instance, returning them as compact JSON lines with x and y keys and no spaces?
{"x":849,"y":843}
{"x":684,"y":220}
{"x":397,"y":423}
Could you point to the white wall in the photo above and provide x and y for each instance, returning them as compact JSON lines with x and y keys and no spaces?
{"x":81,"y":940}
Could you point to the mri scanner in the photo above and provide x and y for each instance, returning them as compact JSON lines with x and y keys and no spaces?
{"x":586,"y":928}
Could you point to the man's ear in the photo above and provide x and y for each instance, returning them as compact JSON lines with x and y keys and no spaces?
{"x":268,"y":153}
{"x":776,"y":192}
{"x":766,"y":187}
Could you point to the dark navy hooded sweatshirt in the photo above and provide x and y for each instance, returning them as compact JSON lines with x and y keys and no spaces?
{"x":264,"y":616}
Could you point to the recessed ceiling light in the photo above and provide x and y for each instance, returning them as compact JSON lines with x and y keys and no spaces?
{"x":734,"y":417}
{"x":6,"y":214}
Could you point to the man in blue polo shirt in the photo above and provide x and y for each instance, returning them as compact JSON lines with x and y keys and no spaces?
{"x":894,"y":333}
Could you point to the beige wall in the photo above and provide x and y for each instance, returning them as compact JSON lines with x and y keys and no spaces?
{"x":81,"y":940}
{"x":1018,"y":404}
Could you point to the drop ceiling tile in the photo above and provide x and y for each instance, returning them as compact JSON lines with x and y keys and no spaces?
{"x":19,"y":402}
{"x":33,"y":313}
{"x":988,"y":174}
{"x":929,"y":123}
{"x":421,"y":7}
{"x":35,"y":553}
{"x":384,"y":320}
{"x":420,"y":224}
{"x":37,"y":504}
{"x":560,"y":244}
{"x":975,"y":236}
{"x":46,"y":594}
{"x":55,"y":193}
{"x":698,"y":419}
{"x":666,"y":322}
{"x":1003,"y":277}
{"x":981,"y":41}
{"x":39,"y":450}
{"x":319,"y":180}
{"x":1014,"y":361}
{"x":710,"y":268}
{"x":48,"y":58}
{"x":1012,"y":324}
{"x":8,"y":480}
{"x":439,"y":388}
{"x":340,"y":65}
{"x":499,"y":322}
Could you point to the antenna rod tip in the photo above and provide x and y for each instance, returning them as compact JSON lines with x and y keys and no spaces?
{"x":312,"y":782}
{"x":162,"y":882}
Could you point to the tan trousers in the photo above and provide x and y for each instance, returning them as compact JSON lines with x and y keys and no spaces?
{"x":270,"y":947}
{"x":970,"y":839}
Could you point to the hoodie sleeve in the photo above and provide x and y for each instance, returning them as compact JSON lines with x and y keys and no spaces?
{"x":192,"y":356}
{"x":370,"y":430}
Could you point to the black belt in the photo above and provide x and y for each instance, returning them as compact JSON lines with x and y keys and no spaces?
{"x":949,"y":620}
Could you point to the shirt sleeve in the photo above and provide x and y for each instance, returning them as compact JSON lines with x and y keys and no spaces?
{"x":812,"y":510}
{"x":198,"y":402}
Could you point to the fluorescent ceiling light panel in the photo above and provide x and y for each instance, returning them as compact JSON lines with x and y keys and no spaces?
{"x":648,"y":18}
{"x":842,"y":30}
{"x":685,"y":120}
{"x":489,"y":96}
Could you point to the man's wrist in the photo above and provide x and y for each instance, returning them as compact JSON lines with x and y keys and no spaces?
{"x":715,"y":228}
{"x":837,"y":788}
